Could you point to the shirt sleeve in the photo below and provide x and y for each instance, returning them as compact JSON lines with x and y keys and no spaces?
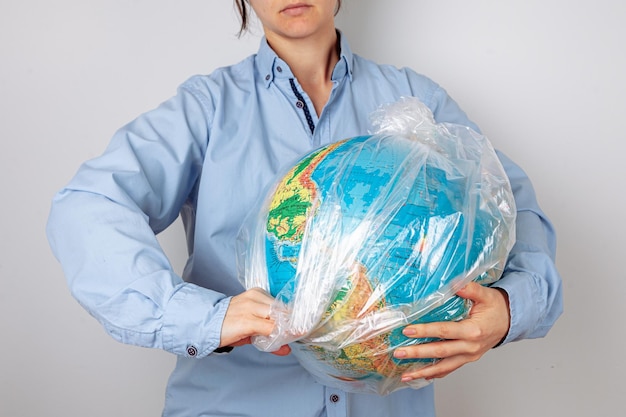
{"x":530,"y":277}
{"x":102,"y":228}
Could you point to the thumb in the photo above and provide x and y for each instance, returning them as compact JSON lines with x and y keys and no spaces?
{"x":473,"y":291}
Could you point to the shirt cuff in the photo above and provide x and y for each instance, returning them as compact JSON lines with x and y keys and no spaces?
{"x":524,"y":315}
{"x":192,"y":324}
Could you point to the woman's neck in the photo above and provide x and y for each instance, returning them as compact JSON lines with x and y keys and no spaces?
{"x":312,"y":61}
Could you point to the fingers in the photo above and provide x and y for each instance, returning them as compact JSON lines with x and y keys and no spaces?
{"x":463,"y":341}
{"x":488,"y":321}
{"x":258,"y":296}
{"x":247,"y":315}
{"x":464,"y":329}
{"x":438,"y":370}
{"x":440,"y":350}
{"x":282,"y":351}
{"x":451,"y":355}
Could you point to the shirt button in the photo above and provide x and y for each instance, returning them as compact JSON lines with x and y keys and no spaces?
{"x":299,"y":104}
{"x":279,"y":69}
{"x":267,"y":77}
{"x":334,"y":398}
{"x":192,"y":351}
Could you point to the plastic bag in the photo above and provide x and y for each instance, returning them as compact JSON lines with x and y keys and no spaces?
{"x":369,"y":234}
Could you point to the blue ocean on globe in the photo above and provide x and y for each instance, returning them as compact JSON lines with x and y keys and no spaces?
{"x":364,"y":178}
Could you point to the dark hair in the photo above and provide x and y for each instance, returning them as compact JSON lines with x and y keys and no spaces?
{"x":244,"y":14}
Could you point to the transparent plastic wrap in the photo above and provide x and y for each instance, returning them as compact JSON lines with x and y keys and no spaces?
{"x":366,"y":235}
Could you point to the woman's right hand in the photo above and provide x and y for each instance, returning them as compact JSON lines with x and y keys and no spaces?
{"x":247,"y":316}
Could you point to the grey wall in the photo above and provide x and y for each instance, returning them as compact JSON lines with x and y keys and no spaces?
{"x":543,"y":79}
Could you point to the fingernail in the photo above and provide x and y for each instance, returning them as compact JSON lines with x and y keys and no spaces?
{"x":409,"y":331}
{"x":399,"y":354}
{"x":406,"y":379}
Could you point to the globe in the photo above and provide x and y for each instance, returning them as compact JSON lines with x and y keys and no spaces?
{"x":366,"y":235}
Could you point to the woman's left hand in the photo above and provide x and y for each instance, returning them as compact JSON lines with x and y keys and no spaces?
{"x":464,"y":341}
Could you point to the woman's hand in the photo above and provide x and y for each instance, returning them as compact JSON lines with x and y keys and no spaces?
{"x":247,"y":316}
{"x":464,"y":341}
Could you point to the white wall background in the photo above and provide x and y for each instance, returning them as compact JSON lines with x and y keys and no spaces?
{"x":543,"y":78}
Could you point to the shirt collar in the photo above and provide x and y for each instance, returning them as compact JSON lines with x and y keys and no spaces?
{"x":270,"y":66}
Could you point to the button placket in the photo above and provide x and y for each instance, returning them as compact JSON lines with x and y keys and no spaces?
{"x":301,"y":104}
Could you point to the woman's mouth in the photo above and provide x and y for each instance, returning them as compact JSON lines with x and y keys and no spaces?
{"x":296,"y":9}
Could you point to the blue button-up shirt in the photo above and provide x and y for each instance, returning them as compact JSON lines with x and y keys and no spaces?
{"x":208,"y":154}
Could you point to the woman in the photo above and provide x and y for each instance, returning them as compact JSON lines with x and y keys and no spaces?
{"x":207,"y":153}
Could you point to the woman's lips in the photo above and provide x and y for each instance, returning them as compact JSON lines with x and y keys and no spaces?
{"x":296,"y":9}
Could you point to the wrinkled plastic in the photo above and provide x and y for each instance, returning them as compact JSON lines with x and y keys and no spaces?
{"x":369,"y":234}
